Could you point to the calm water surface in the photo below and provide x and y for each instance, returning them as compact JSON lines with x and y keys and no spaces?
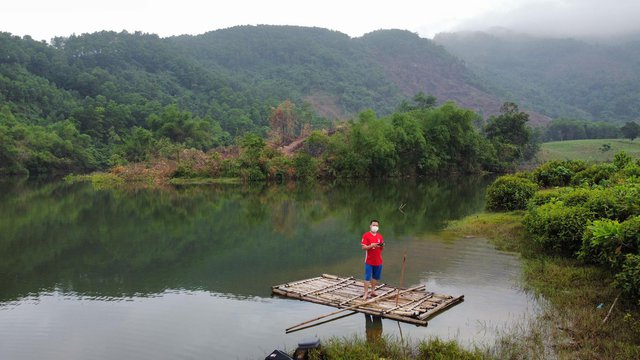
{"x":186,"y":273}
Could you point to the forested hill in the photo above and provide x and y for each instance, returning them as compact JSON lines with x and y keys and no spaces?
{"x":339,"y":75}
{"x":232,"y":76}
{"x":80,"y":102}
{"x":556,"y":77}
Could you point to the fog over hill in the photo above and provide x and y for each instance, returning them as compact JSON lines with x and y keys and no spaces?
{"x":583,"y":19}
{"x":559,"y":77}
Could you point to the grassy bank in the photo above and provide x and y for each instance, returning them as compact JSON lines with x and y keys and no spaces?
{"x":385,"y":348}
{"x":587,"y":150}
{"x":577,"y":299}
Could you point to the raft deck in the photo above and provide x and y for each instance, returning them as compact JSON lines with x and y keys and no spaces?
{"x":415,"y":305}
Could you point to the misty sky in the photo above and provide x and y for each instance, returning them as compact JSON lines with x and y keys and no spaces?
{"x":44,"y":19}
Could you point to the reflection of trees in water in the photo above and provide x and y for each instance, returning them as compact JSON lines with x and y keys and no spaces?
{"x":426,"y":204}
{"x":224,"y":238}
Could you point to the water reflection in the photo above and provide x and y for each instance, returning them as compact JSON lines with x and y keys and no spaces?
{"x":373,"y":327}
{"x":186,"y":272}
{"x":225,"y":239}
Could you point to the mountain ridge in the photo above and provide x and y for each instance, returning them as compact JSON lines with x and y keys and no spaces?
{"x":234,"y":76}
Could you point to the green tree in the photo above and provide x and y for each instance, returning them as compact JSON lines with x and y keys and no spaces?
{"x":423,"y":101}
{"x":510,"y":134}
{"x":630,"y":130}
{"x":409,"y":141}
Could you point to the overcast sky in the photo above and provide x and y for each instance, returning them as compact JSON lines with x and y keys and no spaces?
{"x":44,"y":19}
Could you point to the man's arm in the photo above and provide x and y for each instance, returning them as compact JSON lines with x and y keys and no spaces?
{"x":367,"y":246}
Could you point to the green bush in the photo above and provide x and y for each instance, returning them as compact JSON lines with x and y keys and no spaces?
{"x":279,"y":168}
{"x":628,"y":200}
{"x":305,"y":166}
{"x":605,"y":204}
{"x":510,"y":193}
{"x":630,"y":233}
{"x":628,"y":280}
{"x":545,"y":197}
{"x":601,"y":244}
{"x":621,"y":160}
{"x":618,"y":202}
{"x":595,"y":174}
{"x":557,"y":227}
{"x":553,"y":173}
{"x":575,"y":197}
{"x":607,"y":242}
{"x":252,"y":173}
{"x":230,"y":167}
{"x":632,"y":170}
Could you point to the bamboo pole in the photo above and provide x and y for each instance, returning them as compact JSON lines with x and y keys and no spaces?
{"x":360,"y":295}
{"x":321,"y":322}
{"x":327,"y":287}
{"x":404,"y":260}
{"x":353,"y":307}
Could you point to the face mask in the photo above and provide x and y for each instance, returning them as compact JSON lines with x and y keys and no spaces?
{"x":374,"y":229}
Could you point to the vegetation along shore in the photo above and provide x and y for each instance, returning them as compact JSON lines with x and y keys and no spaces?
{"x":577,"y":229}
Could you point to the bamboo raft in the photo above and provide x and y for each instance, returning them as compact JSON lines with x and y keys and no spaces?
{"x":413,"y":305}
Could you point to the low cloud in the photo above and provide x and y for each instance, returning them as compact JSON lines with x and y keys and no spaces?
{"x":580,"y":18}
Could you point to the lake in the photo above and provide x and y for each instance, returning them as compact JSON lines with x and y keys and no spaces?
{"x":186,"y":272}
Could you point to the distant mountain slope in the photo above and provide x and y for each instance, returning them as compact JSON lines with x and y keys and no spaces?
{"x":313,"y":64}
{"x":109,"y":82}
{"x":415,"y":64}
{"x":338,"y":75}
{"x":556,"y":77}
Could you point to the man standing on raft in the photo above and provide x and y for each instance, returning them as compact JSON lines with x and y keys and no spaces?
{"x":373,"y":244}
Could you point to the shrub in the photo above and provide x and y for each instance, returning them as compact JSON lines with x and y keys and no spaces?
{"x":576,"y":197}
{"x":252,"y":173}
{"x":630,"y":233}
{"x":230,"y":168}
{"x":279,"y":168}
{"x":193,"y":163}
{"x":621,"y":159}
{"x":628,"y":280}
{"x":595,"y":174}
{"x":557,"y":227}
{"x":601,"y":243}
{"x":545,"y":197}
{"x":510,"y":193}
{"x":632,"y":170}
{"x":605,"y":204}
{"x":628,"y":200}
{"x":306,"y":166}
{"x":553,"y":173}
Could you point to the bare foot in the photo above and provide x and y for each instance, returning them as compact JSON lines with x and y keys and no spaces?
{"x":364,"y":297}
{"x":373,"y":294}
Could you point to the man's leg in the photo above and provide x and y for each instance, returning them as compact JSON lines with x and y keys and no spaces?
{"x":368,"y":272}
{"x":366,"y":289}
{"x":376,"y":274}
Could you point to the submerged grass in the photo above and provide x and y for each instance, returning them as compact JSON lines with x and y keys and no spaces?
{"x":500,"y":228}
